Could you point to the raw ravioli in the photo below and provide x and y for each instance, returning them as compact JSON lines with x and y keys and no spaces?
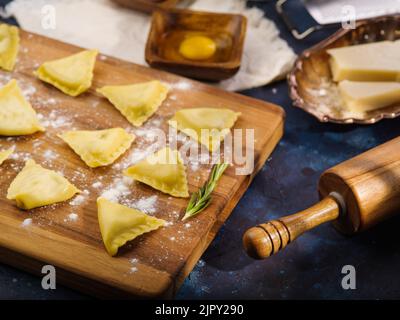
{"x":137,"y":102}
{"x":72,"y":75}
{"x":208,"y":126}
{"x":36,"y":186}
{"x":5,"y":154}
{"x":9,"y":46}
{"x":164,"y":171}
{"x":17,"y":116}
{"x":120,"y":224}
{"x":99,"y":147}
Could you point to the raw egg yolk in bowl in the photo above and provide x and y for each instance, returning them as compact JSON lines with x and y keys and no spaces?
{"x":197,"y":48}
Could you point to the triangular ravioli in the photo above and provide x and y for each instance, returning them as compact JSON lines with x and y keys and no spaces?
{"x":5,"y":154}
{"x":72,"y":75}
{"x":164,"y":171}
{"x":99,"y":147}
{"x":137,"y":102}
{"x":9,"y":46}
{"x":208,"y":126}
{"x":36,"y":186}
{"x":120,"y":224}
{"x":17,"y":116}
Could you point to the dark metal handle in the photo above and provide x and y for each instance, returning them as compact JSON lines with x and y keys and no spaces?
{"x":296,"y":33}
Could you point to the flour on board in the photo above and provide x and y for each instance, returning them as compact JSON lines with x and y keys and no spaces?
{"x":119,"y":188}
{"x":80,"y":199}
{"x":134,"y":269}
{"x":146,"y":204}
{"x":50,"y":155}
{"x":53,"y":120}
{"x":26,"y":223}
{"x":97,"y":185}
{"x":71,"y":217}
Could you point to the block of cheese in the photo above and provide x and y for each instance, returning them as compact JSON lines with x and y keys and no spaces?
{"x":377,"y":61}
{"x":367,"y":96}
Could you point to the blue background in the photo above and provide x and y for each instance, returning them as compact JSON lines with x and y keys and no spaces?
{"x":309,"y":268}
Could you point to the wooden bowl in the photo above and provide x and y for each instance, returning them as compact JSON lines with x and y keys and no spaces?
{"x":168,"y":25}
{"x":147,"y":5}
{"x":310,"y":82}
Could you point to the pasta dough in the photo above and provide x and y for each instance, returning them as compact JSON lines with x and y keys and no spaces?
{"x":5,"y":154}
{"x":137,"y":102}
{"x":99,"y":147}
{"x":164,"y":171}
{"x":17,"y":116}
{"x":9,"y":46}
{"x":36,"y":186}
{"x":72,"y":75}
{"x":209,"y":126}
{"x":120,"y":224}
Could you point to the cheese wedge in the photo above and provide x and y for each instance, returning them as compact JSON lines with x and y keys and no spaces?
{"x":367,"y":96}
{"x":378,"y":61}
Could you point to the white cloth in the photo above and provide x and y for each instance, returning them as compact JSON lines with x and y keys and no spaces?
{"x":122,"y":33}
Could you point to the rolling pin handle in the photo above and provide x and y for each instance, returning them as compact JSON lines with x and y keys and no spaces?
{"x":341,"y":202}
{"x":267,"y":239}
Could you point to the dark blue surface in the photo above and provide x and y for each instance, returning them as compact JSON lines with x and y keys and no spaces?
{"x":311,"y":266}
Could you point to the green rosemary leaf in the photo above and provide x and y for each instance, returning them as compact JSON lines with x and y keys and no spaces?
{"x":202,"y":198}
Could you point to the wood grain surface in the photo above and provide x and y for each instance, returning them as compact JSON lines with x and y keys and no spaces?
{"x":164,"y":257}
{"x":369,"y":184}
{"x":146,"y":5}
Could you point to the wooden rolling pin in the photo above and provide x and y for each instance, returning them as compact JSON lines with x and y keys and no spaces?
{"x":355,"y":195}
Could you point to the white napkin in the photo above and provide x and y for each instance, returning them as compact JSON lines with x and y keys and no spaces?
{"x":123,"y":33}
{"x":336,"y":11}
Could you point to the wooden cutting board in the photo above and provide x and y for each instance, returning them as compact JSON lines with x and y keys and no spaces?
{"x":162,"y":259}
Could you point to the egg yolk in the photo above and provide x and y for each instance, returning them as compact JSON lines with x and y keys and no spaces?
{"x":197,"y":48}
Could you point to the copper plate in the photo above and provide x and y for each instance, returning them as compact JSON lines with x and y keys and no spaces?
{"x":310,"y":82}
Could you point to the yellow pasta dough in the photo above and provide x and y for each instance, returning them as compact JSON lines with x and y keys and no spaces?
{"x":17,"y":116}
{"x":164,"y":171}
{"x":99,"y":147}
{"x":72,"y":75}
{"x":120,"y":224}
{"x":209,"y":126}
{"x":137,"y":102}
{"x":9,"y":46}
{"x":5,"y":154}
{"x":36,"y":186}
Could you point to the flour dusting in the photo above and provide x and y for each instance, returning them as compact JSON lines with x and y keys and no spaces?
{"x":97,"y":185}
{"x":80,"y":199}
{"x":50,"y":155}
{"x":146,"y":204}
{"x":26,"y":223}
{"x":53,"y":120}
{"x":119,"y":188}
{"x":71,"y":217}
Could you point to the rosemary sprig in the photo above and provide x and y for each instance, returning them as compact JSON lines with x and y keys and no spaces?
{"x":202,"y":198}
